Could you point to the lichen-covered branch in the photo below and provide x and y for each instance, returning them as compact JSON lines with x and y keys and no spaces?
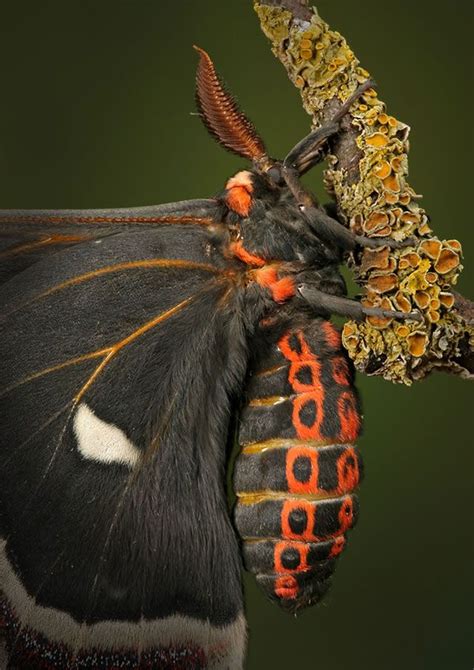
{"x":367,"y":177}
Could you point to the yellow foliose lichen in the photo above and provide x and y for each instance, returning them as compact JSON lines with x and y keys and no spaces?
{"x":378,"y":203}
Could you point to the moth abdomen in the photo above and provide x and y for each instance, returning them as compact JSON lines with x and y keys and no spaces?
{"x":296,"y":474}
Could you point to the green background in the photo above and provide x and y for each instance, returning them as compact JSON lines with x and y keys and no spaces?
{"x":95,"y":112}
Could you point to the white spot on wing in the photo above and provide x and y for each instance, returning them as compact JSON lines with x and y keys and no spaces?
{"x":102,"y":441}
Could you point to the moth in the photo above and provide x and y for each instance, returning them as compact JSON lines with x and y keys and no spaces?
{"x":133,"y":342}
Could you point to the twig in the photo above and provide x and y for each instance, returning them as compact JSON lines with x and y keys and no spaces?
{"x":366,"y":175}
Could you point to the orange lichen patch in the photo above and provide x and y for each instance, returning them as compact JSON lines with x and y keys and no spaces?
{"x":392,"y":122}
{"x":382,"y":170}
{"x":306,"y":43}
{"x":370,"y":300}
{"x":402,"y":302}
{"x":391,"y":198}
{"x":383,"y":232}
{"x":409,"y":218}
{"x":412,"y":258}
{"x":380,"y":322}
{"x":422,"y":299}
{"x":382,"y":118}
{"x":377,"y":140}
{"x":397,"y":162}
{"x":448,"y":260}
{"x":446,"y":299}
{"x":417,"y":343}
{"x":431,"y":277}
{"x":435,"y":303}
{"x":404,"y":198}
{"x":386,"y":303}
{"x":349,"y":329}
{"x":431,"y":248}
{"x":375,"y":258}
{"x":402,"y":331}
{"x":454,"y":244}
{"x":403,"y":264}
{"x":307,"y":54}
{"x":424,"y":228}
{"x":391,"y":183}
{"x":392,"y":264}
{"x":383,"y":283}
{"x":433,"y":316}
{"x":350,"y":336}
{"x":376,"y":221}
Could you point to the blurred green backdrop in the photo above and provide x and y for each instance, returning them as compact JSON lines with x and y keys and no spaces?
{"x":95,"y":112}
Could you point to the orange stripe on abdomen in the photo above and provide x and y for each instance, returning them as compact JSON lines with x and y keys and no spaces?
{"x":298,"y":470}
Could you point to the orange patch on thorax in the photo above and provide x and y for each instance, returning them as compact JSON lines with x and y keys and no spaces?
{"x":238,"y":250}
{"x":239,"y":193}
{"x":281,"y":289}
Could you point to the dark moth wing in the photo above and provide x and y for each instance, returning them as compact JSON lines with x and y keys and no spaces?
{"x":26,"y":236}
{"x":119,"y":357}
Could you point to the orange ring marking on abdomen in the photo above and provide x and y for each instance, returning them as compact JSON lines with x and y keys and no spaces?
{"x":294,"y":484}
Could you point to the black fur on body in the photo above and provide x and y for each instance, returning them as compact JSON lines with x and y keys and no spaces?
{"x":108,"y":541}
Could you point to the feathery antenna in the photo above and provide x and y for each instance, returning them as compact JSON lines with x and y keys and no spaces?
{"x":221,"y":114}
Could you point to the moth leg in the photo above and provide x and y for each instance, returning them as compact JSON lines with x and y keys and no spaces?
{"x":330,"y":230}
{"x":333,"y":231}
{"x":335,"y":304}
{"x":330,"y":209}
{"x":375,"y":243}
{"x":308,"y":151}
